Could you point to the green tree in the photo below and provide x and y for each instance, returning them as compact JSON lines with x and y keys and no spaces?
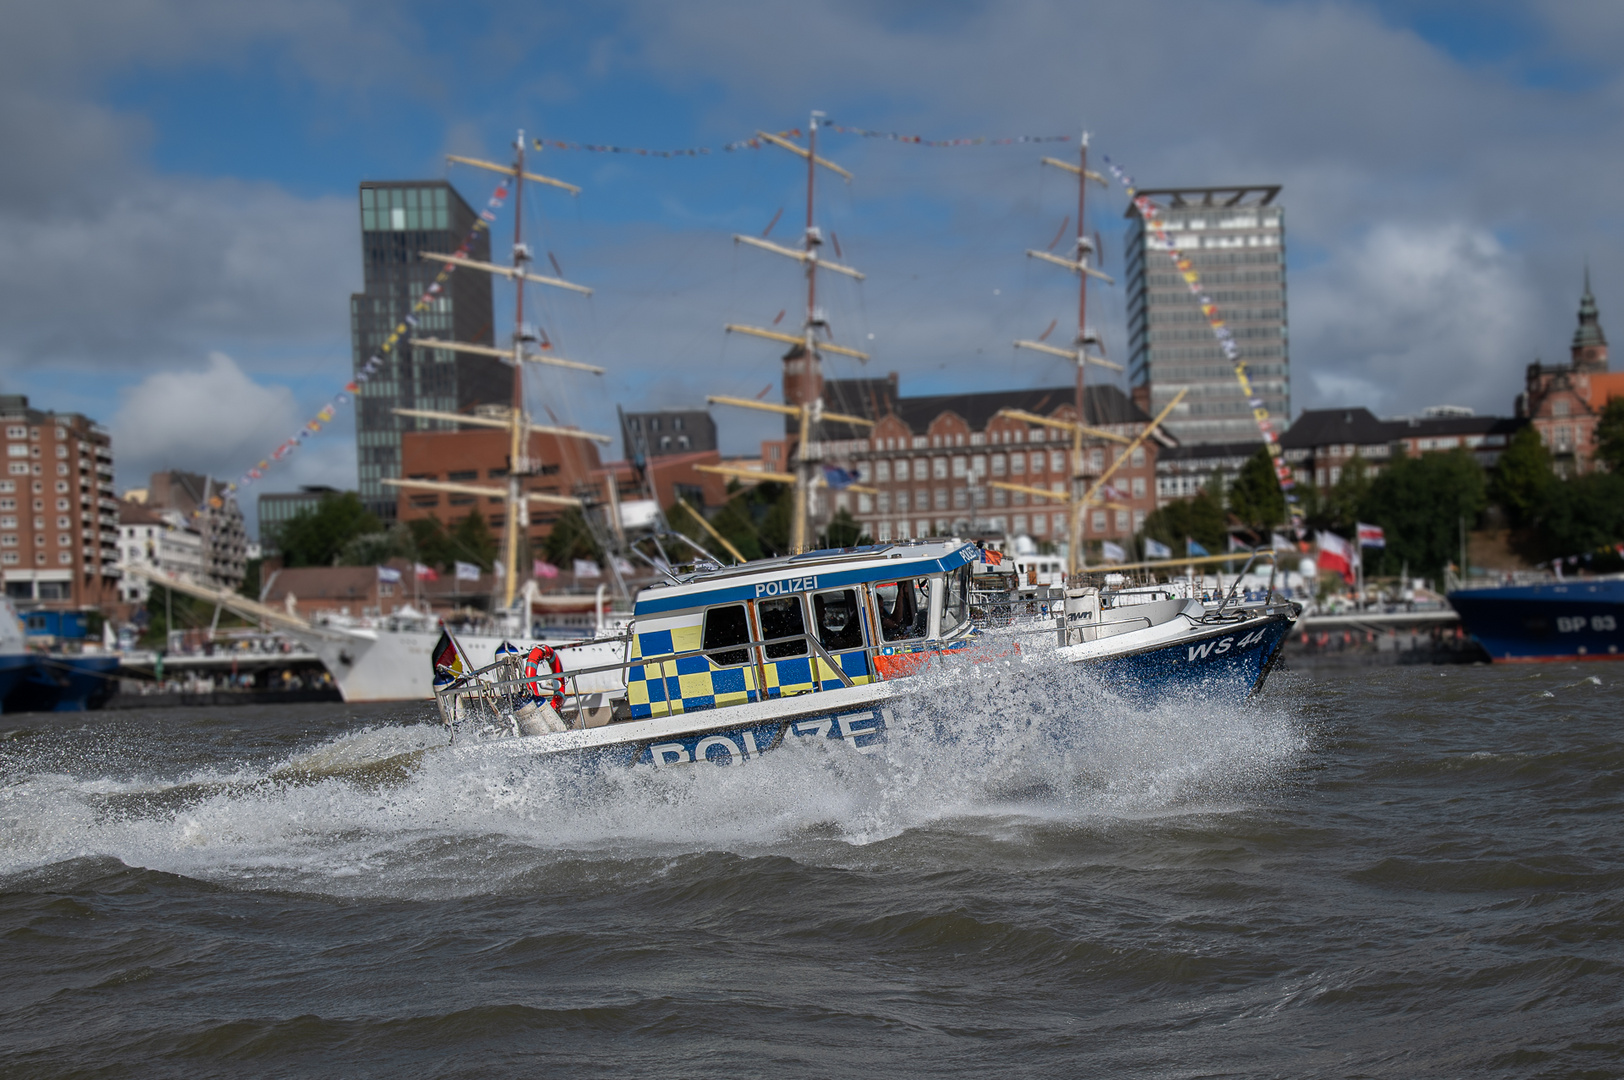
{"x":1420,"y":502}
{"x":571,"y":539}
{"x":430,"y":543}
{"x":317,"y":537}
{"x":1523,"y":478}
{"x":1581,"y":515}
{"x":473,"y":542}
{"x":776,"y":505}
{"x":1610,"y":436}
{"x":1200,"y":517}
{"x":733,"y":521}
{"x":1348,"y":495}
{"x":371,"y":549}
{"x":1255,"y":496}
{"x":250,"y":578}
{"x":844,"y":531}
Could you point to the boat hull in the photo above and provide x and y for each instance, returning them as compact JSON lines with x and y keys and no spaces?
{"x":1227,"y":662}
{"x":1553,"y":622}
{"x":1232,"y":659}
{"x":396,"y":665}
{"x":63,"y":684}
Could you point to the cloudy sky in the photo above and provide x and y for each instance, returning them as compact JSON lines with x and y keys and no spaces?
{"x":179,"y":223}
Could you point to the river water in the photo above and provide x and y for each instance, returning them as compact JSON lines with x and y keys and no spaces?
{"x":1380,"y":872}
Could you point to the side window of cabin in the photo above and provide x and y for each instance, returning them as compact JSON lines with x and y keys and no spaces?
{"x":781,"y":617}
{"x":839,"y":627}
{"x":726,"y":626}
{"x":904,"y":609}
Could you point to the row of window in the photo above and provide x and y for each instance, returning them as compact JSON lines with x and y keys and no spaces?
{"x":9,"y":521}
{"x":404,"y":208}
{"x":901,"y":470}
{"x":22,"y":450}
{"x":1099,"y":524}
{"x":12,"y":558}
{"x":11,"y":539}
{"x":977,"y":438}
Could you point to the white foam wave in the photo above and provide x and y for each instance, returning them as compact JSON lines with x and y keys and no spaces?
{"x":977,"y":746}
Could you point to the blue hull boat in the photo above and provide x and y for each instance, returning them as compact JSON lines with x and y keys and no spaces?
{"x":51,"y":683}
{"x":1552,"y":621}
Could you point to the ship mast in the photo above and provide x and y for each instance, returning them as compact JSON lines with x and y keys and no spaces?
{"x":517,"y":422}
{"x":803,"y":374}
{"x":1078,"y":354}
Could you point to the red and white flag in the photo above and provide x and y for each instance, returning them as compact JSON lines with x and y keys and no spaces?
{"x":1371,"y":535}
{"x":1336,"y":554}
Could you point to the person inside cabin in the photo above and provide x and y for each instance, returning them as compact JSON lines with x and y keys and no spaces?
{"x":838,"y":625}
{"x":904,"y":609}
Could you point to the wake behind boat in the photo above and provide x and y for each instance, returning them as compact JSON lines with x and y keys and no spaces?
{"x":723,"y":665}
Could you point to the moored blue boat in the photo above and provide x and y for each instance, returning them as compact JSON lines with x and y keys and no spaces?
{"x":1576,"y":619}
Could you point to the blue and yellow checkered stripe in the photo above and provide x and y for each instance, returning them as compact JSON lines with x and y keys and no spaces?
{"x":656,"y":687}
{"x":786,"y":678}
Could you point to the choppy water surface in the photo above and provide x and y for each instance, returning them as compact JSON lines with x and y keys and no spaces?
{"x":1389,"y":872}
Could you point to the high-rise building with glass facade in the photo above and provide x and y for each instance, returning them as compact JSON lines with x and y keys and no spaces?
{"x":399,"y":221}
{"x":1235,"y":237}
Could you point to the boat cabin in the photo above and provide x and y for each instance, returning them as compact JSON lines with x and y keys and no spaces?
{"x":797,"y":625}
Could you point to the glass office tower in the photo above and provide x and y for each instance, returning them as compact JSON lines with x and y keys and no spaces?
{"x":399,"y":221}
{"x":1236,"y":239}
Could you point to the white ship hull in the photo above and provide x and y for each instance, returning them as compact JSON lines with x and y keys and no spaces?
{"x":380,"y":664}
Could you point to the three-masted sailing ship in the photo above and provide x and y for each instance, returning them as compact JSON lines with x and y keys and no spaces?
{"x":803,"y":364}
{"x":1086,"y":348}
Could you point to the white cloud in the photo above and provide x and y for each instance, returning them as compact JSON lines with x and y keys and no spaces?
{"x":217,"y":420}
{"x":1409,"y":316}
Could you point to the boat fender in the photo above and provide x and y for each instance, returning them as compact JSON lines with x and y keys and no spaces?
{"x":543,"y":656}
{"x":538,"y":718}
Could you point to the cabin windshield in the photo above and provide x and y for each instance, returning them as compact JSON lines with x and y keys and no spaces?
{"x":838,"y":624}
{"x":955,"y":599}
{"x":781,"y":618}
{"x":904,"y":608}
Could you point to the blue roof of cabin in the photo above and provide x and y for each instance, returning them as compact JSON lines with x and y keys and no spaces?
{"x":812,"y":571}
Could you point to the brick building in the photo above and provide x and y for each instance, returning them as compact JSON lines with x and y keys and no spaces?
{"x":666,"y":432}
{"x":340,"y":590}
{"x":58,"y":513}
{"x":164,"y":541}
{"x":1321,"y":443}
{"x":480,"y":456}
{"x":225,"y":535}
{"x":932,"y":461}
{"x":1564,"y":401}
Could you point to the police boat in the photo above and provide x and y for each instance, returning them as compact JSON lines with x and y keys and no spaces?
{"x":722,"y":665}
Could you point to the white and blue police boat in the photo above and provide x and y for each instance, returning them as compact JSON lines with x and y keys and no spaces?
{"x":722,"y":665}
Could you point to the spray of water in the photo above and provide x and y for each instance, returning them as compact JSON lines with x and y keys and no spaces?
{"x":974,"y":746}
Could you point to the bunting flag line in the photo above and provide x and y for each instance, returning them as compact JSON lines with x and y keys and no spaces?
{"x":639,"y":151}
{"x":1152,"y":216}
{"x":919,"y":140}
{"x":793,"y":133}
{"x":367,"y":370}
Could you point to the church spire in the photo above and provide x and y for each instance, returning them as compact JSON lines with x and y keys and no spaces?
{"x":1589,"y":342}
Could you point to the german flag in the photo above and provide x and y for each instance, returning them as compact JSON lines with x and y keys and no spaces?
{"x":449,"y":661}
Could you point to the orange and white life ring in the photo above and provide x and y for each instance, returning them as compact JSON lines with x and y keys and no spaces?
{"x":543,"y":656}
